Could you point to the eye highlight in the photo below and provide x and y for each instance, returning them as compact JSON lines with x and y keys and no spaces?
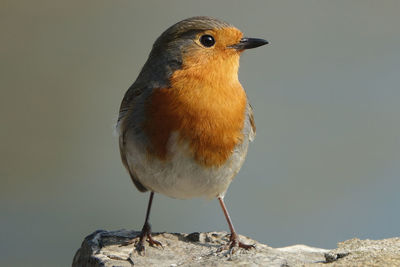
{"x":207,"y":40}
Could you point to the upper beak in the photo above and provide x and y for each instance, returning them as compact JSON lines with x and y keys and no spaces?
{"x":248,"y":43}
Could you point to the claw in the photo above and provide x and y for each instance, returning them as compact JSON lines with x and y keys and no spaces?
{"x":146,"y":235}
{"x":246,"y":246}
{"x":154,"y":243}
{"x":139,"y":247}
{"x":234,"y":244}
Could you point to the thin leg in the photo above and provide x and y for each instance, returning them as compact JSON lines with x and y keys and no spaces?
{"x":234,"y":239}
{"x":146,"y":230}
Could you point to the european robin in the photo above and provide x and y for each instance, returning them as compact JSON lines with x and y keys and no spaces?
{"x":185,"y":123}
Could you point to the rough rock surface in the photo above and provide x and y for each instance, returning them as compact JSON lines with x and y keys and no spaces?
{"x":105,"y":248}
{"x":356,"y":252}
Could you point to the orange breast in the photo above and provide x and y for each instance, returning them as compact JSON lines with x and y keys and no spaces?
{"x":205,"y":105}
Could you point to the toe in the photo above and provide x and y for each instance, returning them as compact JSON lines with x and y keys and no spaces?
{"x":140,"y":248}
{"x":245,"y":246}
{"x":154,"y":243}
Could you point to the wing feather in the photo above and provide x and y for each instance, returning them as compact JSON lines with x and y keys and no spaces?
{"x":252,"y":135}
{"x":126,"y":107}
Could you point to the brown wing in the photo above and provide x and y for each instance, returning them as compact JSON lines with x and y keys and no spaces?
{"x":252,"y":135}
{"x":128,"y":100}
{"x":126,"y":107}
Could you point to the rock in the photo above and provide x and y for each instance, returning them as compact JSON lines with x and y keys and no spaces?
{"x":105,"y":248}
{"x":356,"y":252}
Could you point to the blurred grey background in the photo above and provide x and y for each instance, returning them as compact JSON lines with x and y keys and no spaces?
{"x":324,"y":167}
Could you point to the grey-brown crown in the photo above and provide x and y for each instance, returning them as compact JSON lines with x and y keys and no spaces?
{"x":166,"y":55}
{"x":191,"y":25}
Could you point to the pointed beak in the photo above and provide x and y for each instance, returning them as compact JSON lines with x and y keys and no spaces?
{"x":248,"y":43}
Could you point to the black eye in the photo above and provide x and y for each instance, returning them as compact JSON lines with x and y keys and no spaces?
{"x":207,"y":40}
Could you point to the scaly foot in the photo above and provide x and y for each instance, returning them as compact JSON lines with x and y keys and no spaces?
{"x":235,"y":243}
{"x":144,"y":235}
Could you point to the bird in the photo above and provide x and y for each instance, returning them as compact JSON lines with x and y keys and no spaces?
{"x":185,"y":124}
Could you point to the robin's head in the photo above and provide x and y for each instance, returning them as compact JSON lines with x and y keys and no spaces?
{"x":197,"y":42}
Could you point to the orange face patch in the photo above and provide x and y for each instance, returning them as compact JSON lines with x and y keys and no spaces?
{"x":198,"y":54}
{"x":224,"y":37}
{"x":205,"y":105}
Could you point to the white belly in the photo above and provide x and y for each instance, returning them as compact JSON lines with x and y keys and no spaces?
{"x":181,"y":176}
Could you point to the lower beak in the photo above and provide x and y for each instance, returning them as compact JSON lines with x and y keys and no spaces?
{"x":248,"y":43}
